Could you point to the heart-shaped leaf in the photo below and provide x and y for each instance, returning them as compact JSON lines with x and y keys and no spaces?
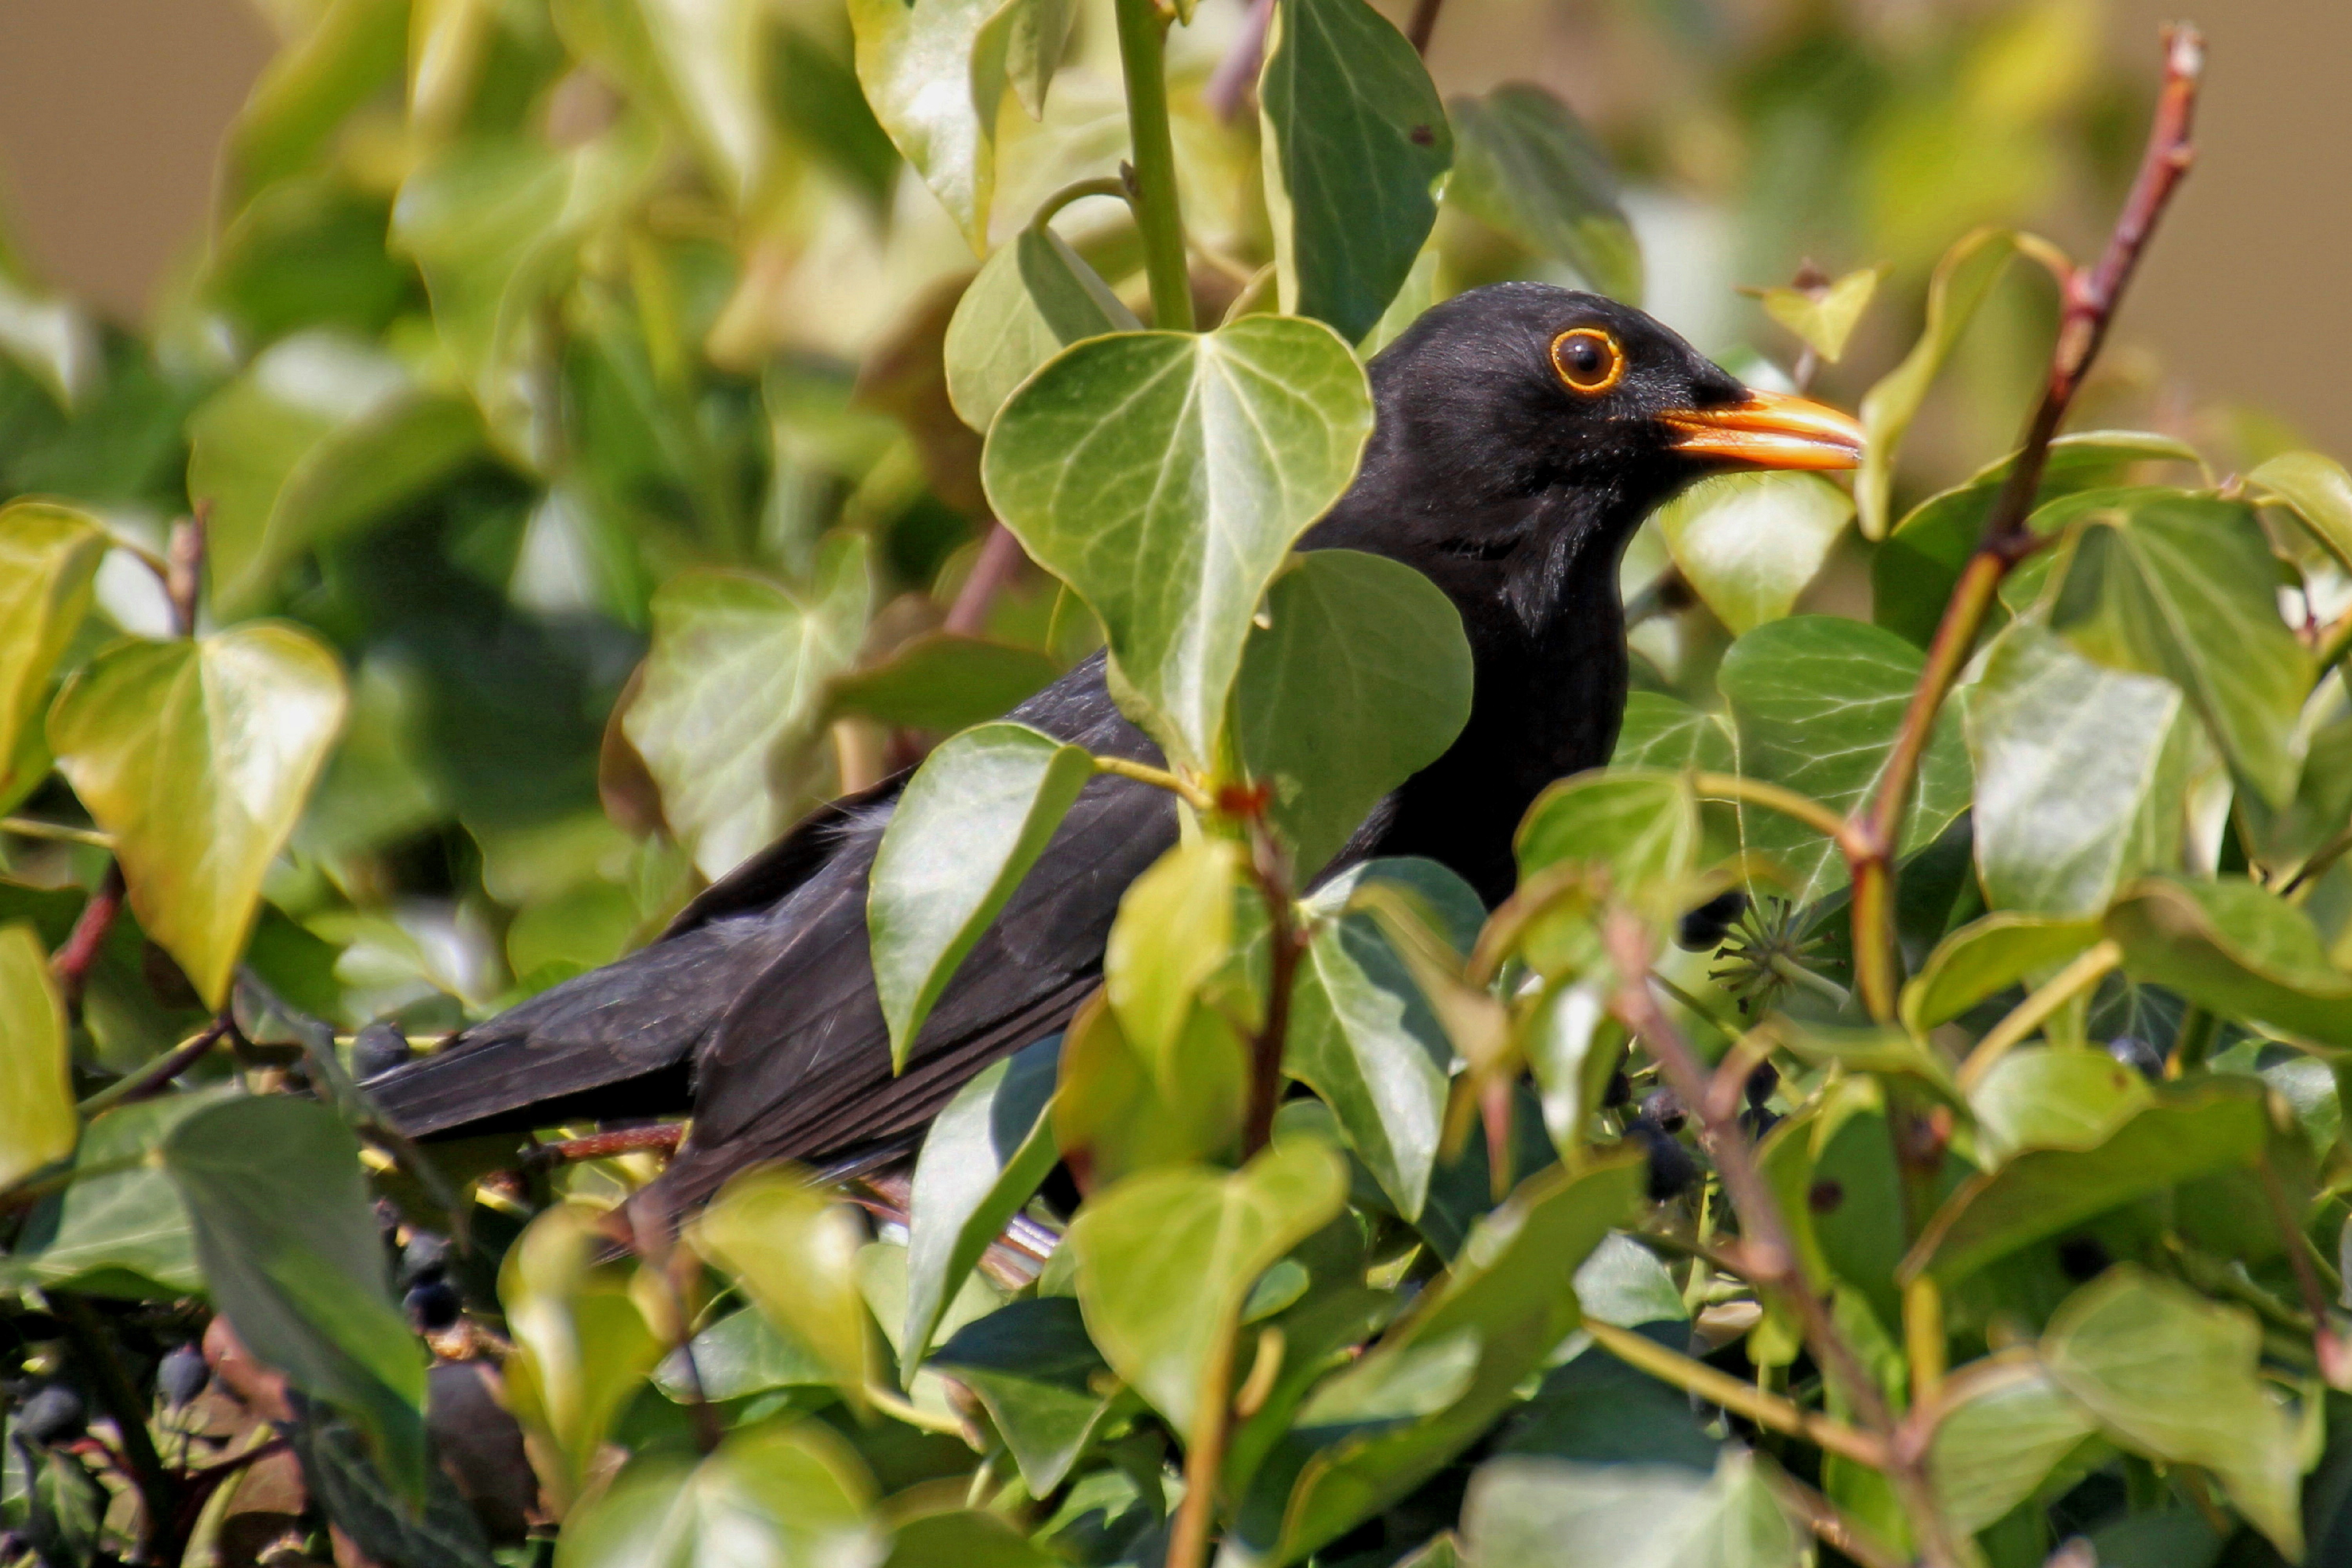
{"x":1749,"y":544}
{"x":1356,"y":143}
{"x":774,"y":1495}
{"x":2318,"y":491}
{"x":1525,"y":164}
{"x":972,"y":822}
{"x":795,"y":1252}
{"x":49,"y":560}
{"x":1164,"y":475}
{"x":37,"y":1124}
{"x":197,"y":756}
{"x":1996,"y":1444}
{"x":1032,"y":300}
{"x":2237,"y":949}
{"x":1528,"y":1512}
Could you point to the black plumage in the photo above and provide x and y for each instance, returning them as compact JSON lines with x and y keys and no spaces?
{"x":1522,"y":432}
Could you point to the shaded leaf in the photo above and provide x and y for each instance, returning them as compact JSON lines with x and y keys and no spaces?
{"x":1987,"y":956}
{"x":2063,"y":1098}
{"x":1555,"y":1513}
{"x":121,"y":1229}
{"x":944,"y":682}
{"x":1032,"y":300}
{"x":1525,"y":164}
{"x":965,"y":1538}
{"x":37,"y":1125}
{"x":795,"y":1252}
{"x":1356,"y":675}
{"x":772,"y":1496}
{"x":1749,"y":544}
{"x":197,"y":756}
{"x":1164,"y":475}
{"x":1034,"y":1369}
{"x":354,"y":1494}
{"x":971,"y":823}
{"x":2238,"y":948}
{"x":1355,"y":143}
{"x":1999,"y":1442}
{"x":48,"y":559}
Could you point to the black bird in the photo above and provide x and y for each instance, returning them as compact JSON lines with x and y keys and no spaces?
{"x":1522,"y":434}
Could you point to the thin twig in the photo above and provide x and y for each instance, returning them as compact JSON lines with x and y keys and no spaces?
{"x":2335,"y":1364}
{"x":184,"y":567}
{"x":1772,"y":797}
{"x":663,"y":1139}
{"x":157,"y":1075}
{"x":56,"y":833}
{"x":87,"y":939}
{"x":1204,"y":1459}
{"x":2091,"y":297}
{"x":1423,"y":23}
{"x":1830,"y":1525}
{"x":997,"y":564}
{"x":2030,"y":1014}
{"x":1190,"y":794}
{"x":1737,"y":1394}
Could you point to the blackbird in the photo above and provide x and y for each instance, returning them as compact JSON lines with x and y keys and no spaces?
{"x":1522,"y":432}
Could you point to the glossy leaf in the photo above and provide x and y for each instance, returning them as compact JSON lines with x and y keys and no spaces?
{"x":2178,"y":1378}
{"x":1034,"y":1369}
{"x":2062,"y":1098}
{"x":2237,"y":947}
{"x":1824,"y":318}
{"x":37,"y":1125}
{"x":983,"y":1156}
{"x":965,"y":1538}
{"x":971,"y":823}
{"x":1985,"y":958}
{"x":1815,"y":704}
{"x":2318,"y":491}
{"x":733,"y":691}
{"x":738,"y":1356}
{"x":1175,"y":932}
{"x":2045,"y":1192}
{"x":2082,"y":776}
{"x":794,"y":1250}
{"x":1523,"y":1512}
{"x":303,"y":1284}
{"x":48,"y":558}
{"x":1356,"y":144}
{"x":775,"y":1495}
{"x":934,"y":73}
{"x":583,"y":1346}
{"x":1356,"y":676}
{"x":1749,"y":544}
{"x":1113,"y":1112}
{"x":1165,"y":1260}
{"x":1164,"y":475}
{"x":321,"y":435}
{"x":1996,"y":1446}
{"x":1362,"y":1035}
{"x":1032,"y":300}
{"x":198,"y":757}
{"x":1525,"y":164}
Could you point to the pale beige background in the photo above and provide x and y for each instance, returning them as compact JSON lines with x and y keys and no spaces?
{"x":109,"y":110}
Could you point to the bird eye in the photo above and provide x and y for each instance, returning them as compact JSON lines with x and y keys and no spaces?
{"x":1588,"y":360}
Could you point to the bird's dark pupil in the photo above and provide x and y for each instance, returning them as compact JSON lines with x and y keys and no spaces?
{"x":1585,"y":358}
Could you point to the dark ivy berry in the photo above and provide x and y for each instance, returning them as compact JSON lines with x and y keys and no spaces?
{"x":433,"y":1304}
{"x":1662,"y":1110}
{"x":2082,"y":1258}
{"x":2133,"y":1051}
{"x":426,"y":1256}
{"x":1761,"y":1083}
{"x":1672,"y":1170}
{"x":1757,"y":1122}
{"x":182,"y":1376}
{"x":1619,"y":1092}
{"x":52,"y":1416}
{"x":379,"y":1048}
{"x":1705,"y":926}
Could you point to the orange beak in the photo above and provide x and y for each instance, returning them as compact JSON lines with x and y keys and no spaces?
{"x":1771,"y":429}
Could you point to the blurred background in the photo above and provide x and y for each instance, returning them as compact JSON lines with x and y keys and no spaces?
{"x":495,"y":331}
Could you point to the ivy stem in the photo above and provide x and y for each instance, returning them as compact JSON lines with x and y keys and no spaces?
{"x":1269,"y":871}
{"x":1204,"y":1457}
{"x":1830,"y":1524}
{"x":1077,"y":191}
{"x":1151,"y":178}
{"x":2091,"y":295}
{"x":1737,"y":1395}
{"x":1184,"y":789}
{"x":1771,"y":797}
{"x":2334,"y":1357}
{"x":56,"y":833}
{"x":153,"y":1079}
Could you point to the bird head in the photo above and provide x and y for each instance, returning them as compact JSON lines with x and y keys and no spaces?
{"x":1522,"y":391}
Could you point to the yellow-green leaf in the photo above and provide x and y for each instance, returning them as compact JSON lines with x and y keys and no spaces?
{"x":1824,"y":318}
{"x":37,"y":1111}
{"x":49,"y":556}
{"x":795,"y":1252}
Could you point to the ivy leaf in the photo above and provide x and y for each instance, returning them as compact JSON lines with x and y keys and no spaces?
{"x":1356,"y":144}
{"x":303,"y":1281}
{"x":1525,"y":164}
{"x":934,"y":71}
{"x":1034,"y":1369}
{"x":1985,"y":958}
{"x":49,"y":560}
{"x":965,"y":1538}
{"x":1164,"y":476}
{"x":1815,"y":704}
{"x":1996,"y":1444}
{"x":794,"y":1251}
{"x":733,"y":690}
{"x":972,"y":822}
{"x":1165,"y":1260}
{"x":2082,"y":772}
{"x":1823,"y":319}
{"x":319,"y":436}
{"x":2045,"y":1097}
{"x":355,"y":48}
{"x":121,"y":1229}
{"x":694,"y":62}
{"x":1032,"y":300}
{"x":1355,"y":678}
{"x":1750,"y":543}
{"x":2237,"y":949}
{"x":777,"y":1492}
{"x":2316,"y":489}
{"x":197,"y":758}
{"x":1666,"y":733}
{"x":37,"y":1125}
{"x":943,"y":681}
{"x":1114,"y":1114}
{"x":983,"y":1157}
{"x":1639,"y":829}
{"x":1175,"y":932}
{"x":2178,"y":1379}
{"x":1529,"y":1512}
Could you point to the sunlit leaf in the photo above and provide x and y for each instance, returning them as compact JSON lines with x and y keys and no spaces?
{"x":934,"y":71}
{"x":1164,"y":476}
{"x":37,"y":1124}
{"x":774,"y":1495}
{"x":197,"y":756}
{"x":696,"y":61}
{"x":286,"y":1236}
{"x":1356,"y":676}
{"x":1995,"y":1444}
{"x":971,"y":823}
{"x":965,"y":1538}
{"x":2317,"y":490}
{"x":1525,"y":1512}
{"x":1032,"y":300}
{"x":48,"y":557}
{"x":2236,"y":947}
{"x":734,"y":687}
{"x":1114,"y":1114}
{"x":1985,"y":958}
{"x":795,"y":1252}
{"x":1174,"y":931}
{"x":1749,"y":544}
{"x":1824,"y":318}
{"x":1355,"y":143}
{"x":2053,"y":1098}
{"x":1525,"y":164}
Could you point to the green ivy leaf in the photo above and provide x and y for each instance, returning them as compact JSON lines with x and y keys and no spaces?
{"x":1175,"y":932}
{"x":1640,"y":831}
{"x":1985,"y":958}
{"x":1164,"y":475}
{"x":121,"y":1229}
{"x":1165,"y":1260}
{"x":320,"y":437}
{"x":1032,"y":300}
{"x":2237,"y":949}
{"x":775,"y":1495}
{"x":728,"y":718}
{"x":934,"y":71}
{"x":983,"y":1157}
{"x":1525,"y":164}
{"x":48,"y":559}
{"x":1750,"y":543}
{"x":1114,"y":1114}
{"x":1823,"y":319}
{"x":286,"y":1233}
{"x":354,"y":49}
{"x":1355,"y":678}
{"x":2053,"y":1098}
{"x":1033,"y":1368}
{"x":943,"y":681}
{"x":2316,"y":489}
{"x":795,"y":1252}
{"x":1526,"y":1512}
{"x":1815,"y":704}
{"x":1356,"y":144}
{"x":972,"y":822}
{"x":697,"y":65}
{"x":2179,"y":1378}
{"x":1667,"y":734}
{"x":2083,"y":774}
{"x":197,"y":758}
{"x":965,"y":1538}
{"x":37,"y":1125}
{"x":2000,"y":1440}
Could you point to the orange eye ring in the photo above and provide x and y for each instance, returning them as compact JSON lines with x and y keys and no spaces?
{"x":1589,"y":362}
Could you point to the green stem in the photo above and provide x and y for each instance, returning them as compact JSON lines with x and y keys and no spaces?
{"x":1143,"y":52}
{"x":1079,"y":191}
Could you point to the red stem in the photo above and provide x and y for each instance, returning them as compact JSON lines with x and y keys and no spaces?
{"x":72,"y":963}
{"x":999,"y":561}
